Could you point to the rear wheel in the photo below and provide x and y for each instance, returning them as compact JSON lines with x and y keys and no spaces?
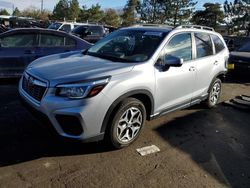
{"x":127,"y":123}
{"x":214,"y":93}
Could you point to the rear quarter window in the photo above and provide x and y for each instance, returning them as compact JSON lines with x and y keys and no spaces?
{"x":218,"y":44}
{"x":204,"y":45}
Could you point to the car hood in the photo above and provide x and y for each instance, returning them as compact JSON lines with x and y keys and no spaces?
{"x":74,"y":66}
{"x":241,"y":57}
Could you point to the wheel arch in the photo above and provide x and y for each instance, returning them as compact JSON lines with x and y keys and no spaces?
{"x":220,"y":75}
{"x":144,"y":96}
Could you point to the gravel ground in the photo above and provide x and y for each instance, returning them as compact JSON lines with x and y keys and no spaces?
{"x":199,"y":148}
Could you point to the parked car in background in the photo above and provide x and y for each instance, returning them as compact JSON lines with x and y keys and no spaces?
{"x":229,"y":42}
{"x":19,"y":47}
{"x":63,"y":26}
{"x":90,"y":33}
{"x":3,"y":28}
{"x":239,"y":61}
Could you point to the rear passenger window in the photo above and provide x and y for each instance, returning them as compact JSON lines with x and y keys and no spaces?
{"x":203,"y":45}
{"x":70,"y":42}
{"x":218,"y":44}
{"x":51,"y":40}
{"x":180,"y":46}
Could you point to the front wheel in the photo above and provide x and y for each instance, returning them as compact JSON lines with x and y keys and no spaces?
{"x":127,"y":123}
{"x":214,"y":93}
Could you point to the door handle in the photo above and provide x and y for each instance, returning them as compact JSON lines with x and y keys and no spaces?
{"x":216,"y":62}
{"x":192,"y":69}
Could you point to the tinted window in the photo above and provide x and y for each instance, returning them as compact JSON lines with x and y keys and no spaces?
{"x":51,"y":40}
{"x":79,"y":29}
{"x":65,"y":28}
{"x":96,"y":30}
{"x":70,"y":42}
{"x":19,"y":40}
{"x":244,"y":48}
{"x":203,"y":45}
{"x":54,"y":26}
{"x":180,"y":46}
{"x":218,"y":44}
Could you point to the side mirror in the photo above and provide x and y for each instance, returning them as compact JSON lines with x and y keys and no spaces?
{"x":172,"y":61}
{"x":169,"y":61}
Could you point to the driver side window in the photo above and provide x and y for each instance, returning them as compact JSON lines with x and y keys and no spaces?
{"x":180,"y":46}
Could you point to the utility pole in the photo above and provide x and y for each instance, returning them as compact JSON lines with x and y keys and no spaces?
{"x":41,"y":6}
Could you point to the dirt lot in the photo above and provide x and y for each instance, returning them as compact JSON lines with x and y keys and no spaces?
{"x":199,"y":148}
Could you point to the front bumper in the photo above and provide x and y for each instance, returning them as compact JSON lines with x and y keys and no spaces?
{"x":75,"y":119}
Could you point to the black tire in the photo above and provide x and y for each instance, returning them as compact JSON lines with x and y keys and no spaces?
{"x":214,"y":93}
{"x":127,"y":107}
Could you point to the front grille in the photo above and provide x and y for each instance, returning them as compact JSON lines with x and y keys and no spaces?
{"x":35,"y":88}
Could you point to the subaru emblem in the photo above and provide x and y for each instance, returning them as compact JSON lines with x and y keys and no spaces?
{"x":31,"y":81}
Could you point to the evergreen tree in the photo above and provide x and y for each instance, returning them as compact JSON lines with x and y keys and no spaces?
{"x":61,"y":10}
{"x":4,"y":12}
{"x":237,"y":14}
{"x":211,"y":16}
{"x":74,"y":10}
{"x":174,"y":12}
{"x":180,"y":11}
{"x":129,"y":12}
{"x":150,"y":11}
{"x":84,"y":15}
{"x":95,"y":13}
{"x":16,"y":12}
{"x":111,"y":18}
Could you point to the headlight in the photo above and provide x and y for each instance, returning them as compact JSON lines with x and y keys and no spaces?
{"x":82,"y":90}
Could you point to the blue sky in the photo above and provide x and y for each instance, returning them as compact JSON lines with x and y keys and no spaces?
{"x":49,"y":4}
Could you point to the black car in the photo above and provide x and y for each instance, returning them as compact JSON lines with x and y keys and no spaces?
{"x":239,"y":61}
{"x":90,"y":33}
{"x":19,"y":47}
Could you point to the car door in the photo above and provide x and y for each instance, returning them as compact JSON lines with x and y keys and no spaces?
{"x":16,"y":52}
{"x":53,"y":44}
{"x":174,"y":87}
{"x":205,"y":63}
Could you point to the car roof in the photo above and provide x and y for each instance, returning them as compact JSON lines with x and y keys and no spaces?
{"x":150,"y":28}
{"x":167,"y":29}
{"x":34,"y":30}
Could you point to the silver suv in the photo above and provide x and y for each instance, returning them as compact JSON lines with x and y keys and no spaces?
{"x":132,"y":75}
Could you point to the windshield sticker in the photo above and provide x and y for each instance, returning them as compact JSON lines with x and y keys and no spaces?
{"x":153,"y":33}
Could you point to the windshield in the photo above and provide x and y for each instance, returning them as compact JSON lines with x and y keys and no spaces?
{"x":245,"y":48}
{"x":54,"y":26}
{"x":128,"y":45}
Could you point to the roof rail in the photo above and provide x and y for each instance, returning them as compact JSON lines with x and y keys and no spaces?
{"x":152,"y":25}
{"x":196,"y":27}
